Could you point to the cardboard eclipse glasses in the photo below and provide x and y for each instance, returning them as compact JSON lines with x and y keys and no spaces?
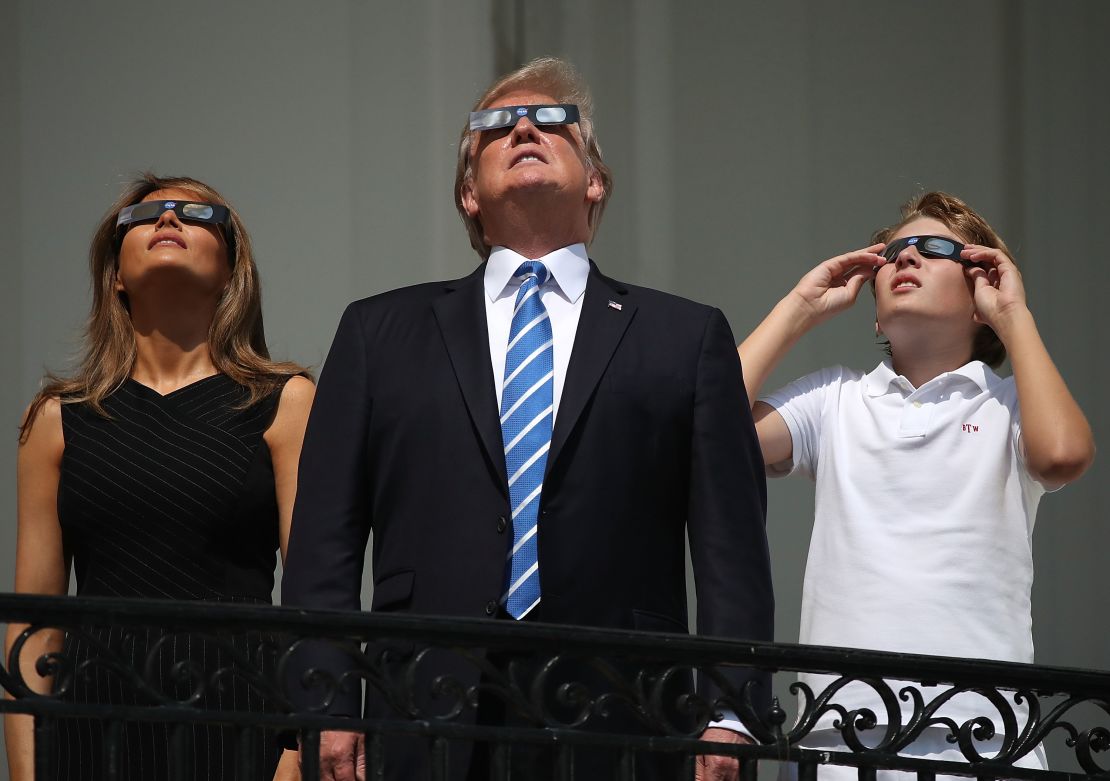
{"x":508,"y":116}
{"x":190,"y":211}
{"x":929,"y":247}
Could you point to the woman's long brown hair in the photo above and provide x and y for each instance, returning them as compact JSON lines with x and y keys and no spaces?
{"x":236,"y":340}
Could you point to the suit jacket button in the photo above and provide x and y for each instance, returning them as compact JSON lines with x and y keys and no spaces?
{"x":501,"y":524}
{"x":491,"y":608}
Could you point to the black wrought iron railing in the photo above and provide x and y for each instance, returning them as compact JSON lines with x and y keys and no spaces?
{"x":566,"y":694}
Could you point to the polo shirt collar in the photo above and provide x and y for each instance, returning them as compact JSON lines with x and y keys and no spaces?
{"x":883,"y":380}
{"x":979,"y":373}
{"x":569,"y":268}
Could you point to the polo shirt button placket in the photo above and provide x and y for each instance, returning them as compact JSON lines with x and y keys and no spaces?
{"x":914,"y":421}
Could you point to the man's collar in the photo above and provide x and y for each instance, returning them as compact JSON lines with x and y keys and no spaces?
{"x":882,"y":378}
{"x":569,"y":267}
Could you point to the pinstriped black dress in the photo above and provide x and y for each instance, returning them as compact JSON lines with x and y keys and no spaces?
{"x":170,"y":497}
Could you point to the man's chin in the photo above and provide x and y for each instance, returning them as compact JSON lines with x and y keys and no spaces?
{"x":531,"y":180}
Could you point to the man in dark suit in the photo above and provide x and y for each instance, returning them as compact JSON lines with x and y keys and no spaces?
{"x":532,"y":441}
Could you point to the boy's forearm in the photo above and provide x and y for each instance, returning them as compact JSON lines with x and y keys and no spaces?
{"x":1057,"y":438}
{"x":772,"y":339}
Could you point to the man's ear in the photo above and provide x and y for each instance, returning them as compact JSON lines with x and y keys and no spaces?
{"x":469,"y":199}
{"x":878,"y":330}
{"x":595,"y":190}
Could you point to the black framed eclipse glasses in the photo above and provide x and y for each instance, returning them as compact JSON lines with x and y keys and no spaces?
{"x":190,"y":211}
{"x":929,"y":247}
{"x":508,"y":116}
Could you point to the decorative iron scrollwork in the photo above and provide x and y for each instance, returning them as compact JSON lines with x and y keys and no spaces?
{"x":438,"y":673}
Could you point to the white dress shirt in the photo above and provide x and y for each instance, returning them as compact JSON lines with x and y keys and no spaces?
{"x":561,"y":294}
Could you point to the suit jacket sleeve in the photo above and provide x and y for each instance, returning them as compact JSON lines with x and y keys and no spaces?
{"x":727,"y":512}
{"x":331,"y":517}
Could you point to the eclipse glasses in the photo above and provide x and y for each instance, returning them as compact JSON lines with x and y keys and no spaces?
{"x":209,"y":213}
{"x":929,"y":247}
{"x":508,"y":116}
{"x":190,"y":211}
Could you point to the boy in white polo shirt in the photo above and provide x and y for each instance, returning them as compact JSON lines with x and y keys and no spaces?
{"x":930,"y":467}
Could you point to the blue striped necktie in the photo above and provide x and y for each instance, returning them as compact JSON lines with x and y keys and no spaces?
{"x":527,"y":414}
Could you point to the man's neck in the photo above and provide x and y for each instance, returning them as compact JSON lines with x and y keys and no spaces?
{"x":535,"y":232}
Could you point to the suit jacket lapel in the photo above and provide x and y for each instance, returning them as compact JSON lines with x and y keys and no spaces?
{"x":461,"y":316}
{"x":606,"y":313}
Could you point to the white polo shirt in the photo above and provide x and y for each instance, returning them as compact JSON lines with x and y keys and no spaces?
{"x":922,"y":534}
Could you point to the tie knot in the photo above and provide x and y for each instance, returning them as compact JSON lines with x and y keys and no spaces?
{"x":533,"y":268}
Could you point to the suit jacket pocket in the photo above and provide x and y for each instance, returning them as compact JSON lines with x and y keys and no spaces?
{"x":393,"y":590}
{"x":648,"y":621}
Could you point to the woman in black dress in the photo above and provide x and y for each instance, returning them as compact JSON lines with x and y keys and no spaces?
{"x":166,"y":467}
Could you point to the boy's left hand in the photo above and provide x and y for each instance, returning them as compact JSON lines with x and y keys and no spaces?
{"x":998,"y":290}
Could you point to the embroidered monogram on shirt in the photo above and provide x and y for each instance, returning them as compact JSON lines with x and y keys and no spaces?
{"x":970,"y":428}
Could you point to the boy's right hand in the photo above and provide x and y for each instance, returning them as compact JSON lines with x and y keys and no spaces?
{"x":833,"y":285}
{"x":820,"y":294}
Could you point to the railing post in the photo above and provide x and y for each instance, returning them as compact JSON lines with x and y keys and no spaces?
{"x":807,"y":770}
{"x":113,"y":733}
{"x":375,"y":757}
{"x":181,"y":752}
{"x":439,"y":759}
{"x":310,"y":755}
{"x":564,"y":763}
{"x":246,"y":759}
{"x":749,"y":769}
{"x":46,"y":749}
{"x":628,"y":765}
{"x":499,"y":761}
